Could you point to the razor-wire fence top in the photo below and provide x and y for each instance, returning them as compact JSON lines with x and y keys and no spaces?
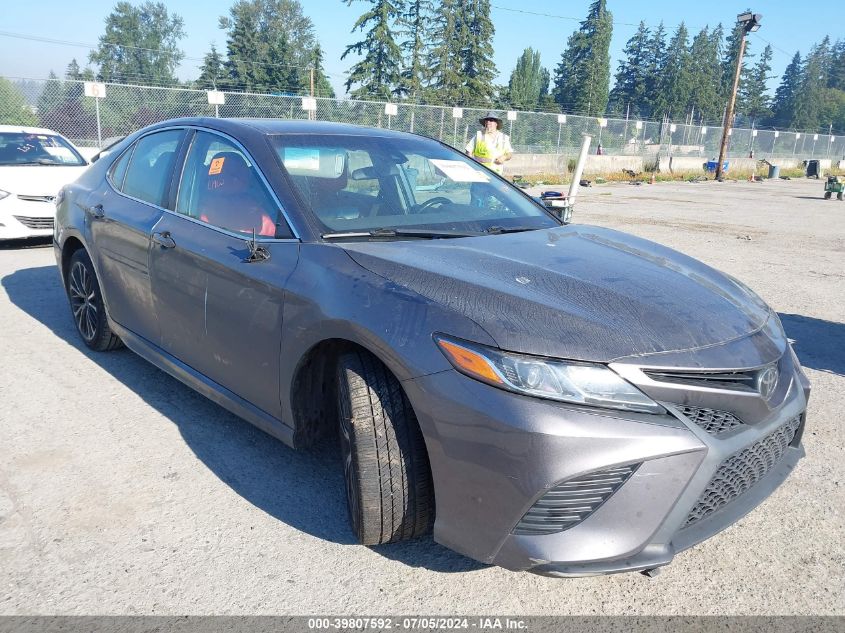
{"x":61,"y":106}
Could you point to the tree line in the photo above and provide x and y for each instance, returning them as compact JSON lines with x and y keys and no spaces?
{"x":441,"y":52}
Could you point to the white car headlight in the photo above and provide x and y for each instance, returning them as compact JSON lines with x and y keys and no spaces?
{"x":567,"y":381}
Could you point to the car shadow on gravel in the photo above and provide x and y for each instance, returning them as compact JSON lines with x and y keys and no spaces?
{"x":819,"y":344}
{"x":304,"y":489}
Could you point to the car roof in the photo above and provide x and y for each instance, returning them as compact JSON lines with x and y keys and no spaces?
{"x":286,"y":126}
{"x":26,"y":129}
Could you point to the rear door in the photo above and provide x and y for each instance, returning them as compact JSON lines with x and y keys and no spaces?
{"x":122,"y":218}
{"x":221,"y":311}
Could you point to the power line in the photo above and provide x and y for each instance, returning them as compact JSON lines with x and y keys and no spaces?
{"x":49,"y":40}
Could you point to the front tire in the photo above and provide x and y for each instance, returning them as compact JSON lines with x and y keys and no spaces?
{"x":388,"y":481}
{"x":86,"y":304}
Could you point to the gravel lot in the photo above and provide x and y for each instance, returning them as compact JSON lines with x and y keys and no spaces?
{"x":124,"y":492}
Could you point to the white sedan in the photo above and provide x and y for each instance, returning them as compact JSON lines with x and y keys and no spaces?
{"x":34,"y":164}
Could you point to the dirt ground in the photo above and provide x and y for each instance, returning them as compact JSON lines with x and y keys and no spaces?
{"x":124,"y":492}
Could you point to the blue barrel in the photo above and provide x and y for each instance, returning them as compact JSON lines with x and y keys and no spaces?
{"x":774,"y":171}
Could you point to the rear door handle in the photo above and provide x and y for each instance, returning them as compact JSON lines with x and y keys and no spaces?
{"x":164,"y":239}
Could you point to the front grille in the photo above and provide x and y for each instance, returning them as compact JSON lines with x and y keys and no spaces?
{"x":739,"y":472}
{"x":569,"y":503}
{"x":733,"y":380}
{"x":711,"y":420}
{"x":48,"y":199}
{"x":35,"y":223}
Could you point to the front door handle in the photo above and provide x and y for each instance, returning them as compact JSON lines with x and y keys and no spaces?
{"x":164,"y":239}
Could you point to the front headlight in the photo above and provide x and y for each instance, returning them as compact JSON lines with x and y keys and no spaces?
{"x":566,"y":381}
{"x":4,"y":194}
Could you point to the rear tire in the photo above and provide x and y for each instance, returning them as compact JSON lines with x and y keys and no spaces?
{"x":839,"y":196}
{"x":86,"y":304}
{"x":388,"y":481}
{"x":827,"y":195}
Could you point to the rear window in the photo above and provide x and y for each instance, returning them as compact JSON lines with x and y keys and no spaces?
{"x":22,"y":148}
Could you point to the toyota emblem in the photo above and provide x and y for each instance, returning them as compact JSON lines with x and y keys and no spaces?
{"x":767,"y":381}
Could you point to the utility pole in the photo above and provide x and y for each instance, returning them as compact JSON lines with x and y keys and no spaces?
{"x":750,"y":22}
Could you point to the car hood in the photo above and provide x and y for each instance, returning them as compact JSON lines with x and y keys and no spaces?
{"x":583,"y":293}
{"x":37,"y":180}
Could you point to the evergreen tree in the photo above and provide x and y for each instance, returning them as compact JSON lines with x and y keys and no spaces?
{"x":377,"y":75}
{"x":13,"y":107}
{"x":753,"y":100}
{"x":444,"y":78}
{"x":51,"y":97}
{"x":478,"y":67}
{"x":322,"y":85}
{"x":525,"y":88}
{"x":705,"y":77}
{"x":786,"y":94}
{"x":414,"y":21}
{"x":631,"y":88}
{"x":141,"y":44}
{"x":655,"y":62}
{"x":836,"y":78}
{"x":809,"y":102}
{"x":729,"y":57}
{"x":212,"y":74}
{"x":269,"y":45}
{"x":675,"y":86}
{"x":583,"y":75}
{"x":244,"y":48}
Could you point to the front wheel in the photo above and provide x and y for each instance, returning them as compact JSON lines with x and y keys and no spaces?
{"x":388,"y":481}
{"x":86,"y":303}
{"x":827,"y":195}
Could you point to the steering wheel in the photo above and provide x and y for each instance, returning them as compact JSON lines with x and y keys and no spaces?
{"x":425,"y":207}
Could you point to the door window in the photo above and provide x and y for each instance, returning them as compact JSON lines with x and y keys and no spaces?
{"x":151,"y":166}
{"x":221,"y":186}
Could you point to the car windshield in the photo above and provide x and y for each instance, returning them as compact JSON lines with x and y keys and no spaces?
{"x":401,"y":187}
{"x":23,"y":148}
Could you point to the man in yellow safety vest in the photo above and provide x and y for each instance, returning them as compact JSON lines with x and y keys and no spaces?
{"x":490,"y":146}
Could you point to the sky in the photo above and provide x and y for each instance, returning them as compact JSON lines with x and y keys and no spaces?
{"x":544,"y":26}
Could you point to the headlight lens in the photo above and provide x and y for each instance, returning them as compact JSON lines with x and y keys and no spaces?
{"x":4,"y":194}
{"x":578,"y":383}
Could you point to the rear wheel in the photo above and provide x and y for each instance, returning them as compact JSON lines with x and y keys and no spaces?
{"x":388,"y":481}
{"x":86,"y":303}
{"x":827,"y":195}
{"x":839,"y":196}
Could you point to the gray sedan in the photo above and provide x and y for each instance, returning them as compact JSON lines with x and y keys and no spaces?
{"x":568,"y":400}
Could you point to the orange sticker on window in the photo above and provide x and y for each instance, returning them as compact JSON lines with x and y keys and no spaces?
{"x":216,"y":166}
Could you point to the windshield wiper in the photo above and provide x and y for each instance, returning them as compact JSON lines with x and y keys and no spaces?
{"x":510,"y":229}
{"x":40,"y":161}
{"x":389,"y":232}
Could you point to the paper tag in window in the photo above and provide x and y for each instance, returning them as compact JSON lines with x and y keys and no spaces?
{"x":216,"y":166}
{"x":459,"y":171}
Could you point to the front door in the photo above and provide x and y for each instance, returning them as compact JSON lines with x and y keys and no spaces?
{"x":219,"y":312}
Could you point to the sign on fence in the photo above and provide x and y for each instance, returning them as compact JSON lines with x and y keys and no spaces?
{"x":95,"y":89}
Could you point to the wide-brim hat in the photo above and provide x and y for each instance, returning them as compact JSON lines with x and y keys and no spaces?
{"x":491,"y":116}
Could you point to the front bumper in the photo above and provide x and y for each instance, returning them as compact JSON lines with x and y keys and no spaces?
{"x":494,"y":454}
{"x":25,"y":218}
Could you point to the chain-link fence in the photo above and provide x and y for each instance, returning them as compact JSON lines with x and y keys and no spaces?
{"x":61,"y":105}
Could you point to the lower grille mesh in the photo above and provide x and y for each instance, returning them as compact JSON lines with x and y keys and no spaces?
{"x":712,"y":421}
{"x":739,"y":472}
{"x":35,"y":223}
{"x":572,"y":501}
